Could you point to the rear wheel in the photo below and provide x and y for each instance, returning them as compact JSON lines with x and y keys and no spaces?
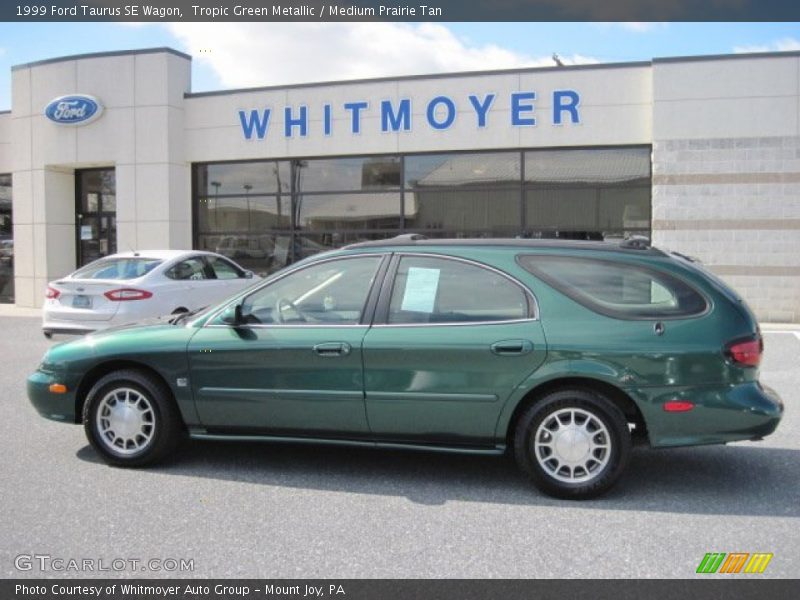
{"x":131,"y":420}
{"x":573,"y":444}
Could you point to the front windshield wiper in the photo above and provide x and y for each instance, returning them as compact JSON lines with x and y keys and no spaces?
{"x":178,"y":318}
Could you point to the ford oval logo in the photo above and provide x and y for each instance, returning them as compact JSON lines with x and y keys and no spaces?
{"x":77,"y":109}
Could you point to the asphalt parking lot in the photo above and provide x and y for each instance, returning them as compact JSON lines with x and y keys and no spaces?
{"x":267,"y":510}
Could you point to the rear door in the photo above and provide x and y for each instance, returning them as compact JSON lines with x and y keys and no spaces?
{"x":451,"y":340}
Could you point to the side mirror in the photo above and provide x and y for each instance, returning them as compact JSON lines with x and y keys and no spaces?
{"x":248,"y":274}
{"x":232,"y":315}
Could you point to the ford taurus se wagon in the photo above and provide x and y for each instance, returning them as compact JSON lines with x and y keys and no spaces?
{"x":566,"y":353}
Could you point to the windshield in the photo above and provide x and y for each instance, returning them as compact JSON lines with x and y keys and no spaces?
{"x":117,"y":268}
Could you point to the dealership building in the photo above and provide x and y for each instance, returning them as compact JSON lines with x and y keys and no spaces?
{"x":108,"y":152}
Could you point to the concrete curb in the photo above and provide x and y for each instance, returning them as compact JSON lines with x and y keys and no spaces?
{"x":12,"y":310}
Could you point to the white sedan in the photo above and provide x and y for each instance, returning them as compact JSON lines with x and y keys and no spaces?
{"x":131,"y":286}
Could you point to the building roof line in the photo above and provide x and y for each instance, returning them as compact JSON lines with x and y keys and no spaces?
{"x":449,"y":75}
{"x":49,"y":61}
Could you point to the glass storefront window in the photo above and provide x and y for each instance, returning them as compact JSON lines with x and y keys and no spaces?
{"x":494,"y":209}
{"x":292,"y":209}
{"x":335,"y":212}
{"x":348,"y":174}
{"x":233,"y":179}
{"x":467,"y":169}
{"x":6,"y":241}
{"x":587,"y":194}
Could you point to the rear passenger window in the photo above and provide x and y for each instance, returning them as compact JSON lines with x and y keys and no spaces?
{"x":223,"y":269}
{"x":435,"y":290}
{"x":189,"y":269}
{"x":619,"y":290}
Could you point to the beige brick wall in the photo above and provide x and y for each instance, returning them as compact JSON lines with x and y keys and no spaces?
{"x":735,"y":205}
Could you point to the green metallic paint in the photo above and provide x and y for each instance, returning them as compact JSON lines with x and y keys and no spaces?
{"x":436,"y":385}
{"x":414,"y":372}
{"x":274,"y":381}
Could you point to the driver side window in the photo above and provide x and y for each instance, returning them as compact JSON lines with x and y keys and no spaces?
{"x":329,"y":293}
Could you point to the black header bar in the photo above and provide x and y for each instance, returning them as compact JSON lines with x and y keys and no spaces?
{"x":735,"y":588}
{"x":159,"y":11}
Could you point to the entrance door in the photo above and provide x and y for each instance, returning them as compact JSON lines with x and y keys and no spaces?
{"x":96,"y":216}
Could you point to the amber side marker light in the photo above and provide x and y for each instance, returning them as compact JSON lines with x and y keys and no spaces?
{"x":58,"y":388}
{"x":678,"y":406}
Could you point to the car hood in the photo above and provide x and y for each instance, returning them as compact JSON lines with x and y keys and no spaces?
{"x":140,"y":342}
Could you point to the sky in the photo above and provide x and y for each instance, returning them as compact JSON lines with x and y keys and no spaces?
{"x":235,"y":55}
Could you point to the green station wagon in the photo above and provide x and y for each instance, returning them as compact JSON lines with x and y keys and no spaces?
{"x":566,"y":353}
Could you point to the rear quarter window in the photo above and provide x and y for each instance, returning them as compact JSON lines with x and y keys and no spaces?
{"x":619,"y":290}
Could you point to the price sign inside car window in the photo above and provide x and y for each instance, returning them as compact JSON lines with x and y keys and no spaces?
{"x":421,"y":287}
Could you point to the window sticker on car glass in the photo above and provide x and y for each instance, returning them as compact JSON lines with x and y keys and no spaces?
{"x":421,"y":287}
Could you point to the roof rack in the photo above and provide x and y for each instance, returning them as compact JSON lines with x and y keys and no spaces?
{"x":641,"y":244}
{"x":409,"y":237}
{"x":635,"y":242}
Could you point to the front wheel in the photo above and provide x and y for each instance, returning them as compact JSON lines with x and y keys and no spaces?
{"x":573,"y":444}
{"x":131,"y":420}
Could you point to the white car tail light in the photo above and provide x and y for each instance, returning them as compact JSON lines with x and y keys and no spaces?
{"x":51,"y":293}
{"x":125,"y":294}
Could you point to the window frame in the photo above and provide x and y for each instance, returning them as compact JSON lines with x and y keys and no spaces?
{"x":240,"y":272}
{"x":367,"y":312}
{"x":586,"y":301}
{"x":381,"y":316}
{"x":199,"y":257}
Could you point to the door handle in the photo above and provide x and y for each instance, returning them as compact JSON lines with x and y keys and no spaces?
{"x":512,"y":347}
{"x":332,"y":349}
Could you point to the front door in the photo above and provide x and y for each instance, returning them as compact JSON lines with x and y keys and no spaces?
{"x":295,"y":366}
{"x":96,"y":218}
{"x":454,"y":341}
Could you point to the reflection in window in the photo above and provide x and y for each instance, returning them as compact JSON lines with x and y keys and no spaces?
{"x":434,"y":290}
{"x":330,"y":293}
{"x":464,"y":169}
{"x":348,"y":174}
{"x":268,"y":214}
{"x":267,"y":177}
{"x":618,"y":290}
{"x":6,"y":241}
{"x":588,"y":194}
{"x":333,"y":212}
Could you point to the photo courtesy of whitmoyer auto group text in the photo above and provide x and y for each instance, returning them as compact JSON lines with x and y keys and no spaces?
{"x":377,"y":300}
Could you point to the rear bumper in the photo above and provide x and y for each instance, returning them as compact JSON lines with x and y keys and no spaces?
{"x":57,"y":407}
{"x":74,"y":327}
{"x":721,"y":414}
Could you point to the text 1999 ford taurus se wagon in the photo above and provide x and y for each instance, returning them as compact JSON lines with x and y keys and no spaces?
{"x":565,"y":352}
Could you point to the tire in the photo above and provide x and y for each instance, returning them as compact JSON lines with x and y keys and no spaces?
{"x":146,"y":427}
{"x":573,"y":444}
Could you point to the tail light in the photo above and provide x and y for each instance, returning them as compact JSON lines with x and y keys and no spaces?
{"x":51,"y":293}
{"x":746,"y":353}
{"x":125,"y":294}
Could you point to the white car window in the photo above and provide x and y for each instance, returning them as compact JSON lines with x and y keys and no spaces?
{"x":191,"y":269}
{"x":117,"y":268}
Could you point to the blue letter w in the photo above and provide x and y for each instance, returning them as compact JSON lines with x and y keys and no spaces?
{"x":255,"y":122}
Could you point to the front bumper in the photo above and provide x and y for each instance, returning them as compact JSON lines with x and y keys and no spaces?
{"x":721,"y":414}
{"x":57,"y":407}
